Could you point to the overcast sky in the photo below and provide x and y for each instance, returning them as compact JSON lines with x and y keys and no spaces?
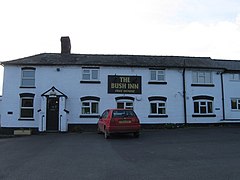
{"x":208,"y":28}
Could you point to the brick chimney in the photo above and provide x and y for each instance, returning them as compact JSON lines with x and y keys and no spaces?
{"x":65,"y":45}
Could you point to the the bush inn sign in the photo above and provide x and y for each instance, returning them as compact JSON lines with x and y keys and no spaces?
{"x":124,"y":84}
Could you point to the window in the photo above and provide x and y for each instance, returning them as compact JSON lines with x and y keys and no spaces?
{"x":235,"y":77}
{"x":124,"y":102}
{"x":90,"y":106}
{"x":28,"y":77}
{"x":235,"y":104}
{"x":201,"y":77}
{"x":90,"y":75}
{"x":157,"y":76}
{"x":26,"y":106}
{"x":203,"y":106}
{"x":157,"y":106}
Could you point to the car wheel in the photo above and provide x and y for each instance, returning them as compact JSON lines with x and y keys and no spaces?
{"x":106,"y":135}
{"x":99,"y":131}
{"x":136,"y":134}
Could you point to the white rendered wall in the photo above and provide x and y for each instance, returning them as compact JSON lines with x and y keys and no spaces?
{"x":231,"y":90}
{"x":67,"y":80}
{"x":214,"y":91}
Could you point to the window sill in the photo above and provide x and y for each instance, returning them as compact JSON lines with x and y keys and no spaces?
{"x":26,"y":119}
{"x":91,"y":82}
{"x":203,"y":85}
{"x":204,"y":115}
{"x":157,"y":116}
{"x":89,"y":116}
{"x":27,"y":87}
{"x":156,"y":82}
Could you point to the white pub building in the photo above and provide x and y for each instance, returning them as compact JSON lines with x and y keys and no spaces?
{"x":59,"y":91}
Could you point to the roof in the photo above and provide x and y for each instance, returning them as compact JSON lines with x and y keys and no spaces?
{"x":50,"y":59}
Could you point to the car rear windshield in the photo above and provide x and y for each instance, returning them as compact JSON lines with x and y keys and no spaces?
{"x":123,"y":113}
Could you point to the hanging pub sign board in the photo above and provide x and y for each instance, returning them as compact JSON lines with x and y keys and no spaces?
{"x":124,"y":84}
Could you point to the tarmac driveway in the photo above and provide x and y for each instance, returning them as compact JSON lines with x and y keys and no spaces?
{"x":189,"y":153}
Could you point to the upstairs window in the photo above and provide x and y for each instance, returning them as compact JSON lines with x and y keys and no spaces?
{"x":28,"y":77}
{"x":201,"y":77}
{"x":90,"y":75}
{"x":157,"y":75}
{"x":26,"y":106}
{"x":235,"y":77}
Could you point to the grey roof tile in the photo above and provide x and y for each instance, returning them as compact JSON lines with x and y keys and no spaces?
{"x":125,"y":61}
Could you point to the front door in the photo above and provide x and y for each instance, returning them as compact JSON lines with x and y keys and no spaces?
{"x":52,"y":114}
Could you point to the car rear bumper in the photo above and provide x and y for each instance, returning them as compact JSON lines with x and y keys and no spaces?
{"x":125,"y":129}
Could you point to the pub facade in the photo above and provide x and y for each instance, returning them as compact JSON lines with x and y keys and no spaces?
{"x":56,"y":91}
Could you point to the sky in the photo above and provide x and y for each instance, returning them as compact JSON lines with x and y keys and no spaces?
{"x":202,"y":28}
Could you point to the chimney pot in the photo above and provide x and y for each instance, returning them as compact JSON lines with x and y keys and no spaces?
{"x":65,"y":45}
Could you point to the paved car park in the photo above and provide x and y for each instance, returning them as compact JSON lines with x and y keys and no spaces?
{"x":186,"y":153}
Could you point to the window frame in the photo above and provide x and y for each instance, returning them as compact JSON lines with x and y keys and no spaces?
{"x":157,"y":100}
{"x":233,"y":77}
{"x":125,"y":100}
{"x":91,"y":75}
{"x":237,"y":104}
{"x":91,"y":100}
{"x":158,"y":107}
{"x":26,"y":96}
{"x":28,"y":69}
{"x":203,"y":106}
{"x":158,"y":73}
{"x":201,"y":74}
{"x":125,"y":106}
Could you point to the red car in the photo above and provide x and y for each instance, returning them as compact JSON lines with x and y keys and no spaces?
{"x":118,"y":121}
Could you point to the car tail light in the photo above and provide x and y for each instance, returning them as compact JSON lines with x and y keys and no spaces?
{"x":135,"y":120}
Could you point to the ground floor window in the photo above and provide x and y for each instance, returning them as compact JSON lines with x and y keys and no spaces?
{"x":90,"y":105}
{"x":203,"y":106}
{"x":125,"y":105}
{"x":125,"y":102}
{"x":235,"y":104}
{"x":26,"y":106}
{"x":157,"y":106}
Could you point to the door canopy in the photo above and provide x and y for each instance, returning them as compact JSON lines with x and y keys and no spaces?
{"x":53,"y":92}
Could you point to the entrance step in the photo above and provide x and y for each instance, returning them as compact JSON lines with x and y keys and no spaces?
{"x":22,"y":132}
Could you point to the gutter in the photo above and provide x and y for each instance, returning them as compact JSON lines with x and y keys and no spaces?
{"x":223,"y":100}
{"x":184,"y":95}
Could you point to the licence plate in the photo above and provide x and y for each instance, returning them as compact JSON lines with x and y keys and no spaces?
{"x":125,"y":121}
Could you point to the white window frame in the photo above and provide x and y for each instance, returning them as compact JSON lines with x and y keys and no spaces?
{"x":200,"y":77}
{"x":27,"y":78}
{"x":90,"y":106}
{"x":234,"y":77}
{"x":237,"y":104}
{"x":203,"y":103}
{"x":26,"y":107}
{"x":126,"y":103}
{"x":90,"y":72}
{"x":157,"y":75}
{"x":158,"y":107}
